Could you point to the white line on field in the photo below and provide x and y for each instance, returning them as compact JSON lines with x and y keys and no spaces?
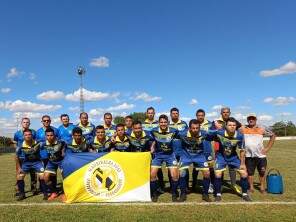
{"x":152,"y":204}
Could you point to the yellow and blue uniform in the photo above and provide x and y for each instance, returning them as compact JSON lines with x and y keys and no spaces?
{"x":65,"y":133}
{"x":149,"y":126}
{"x":99,"y":147}
{"x":109,"y":131}
{"x":206,"y":125}
{"x":121,"y":145}
{"x":29,"y":155}
{"x":73,"y":147}
{"x":40,"y":134}
{"x":88,"y":131}
{"x":180,"y":125}
{"x":141,"y":144}
{"x":55,"y":155}
{"x":164,"y":149}
{"x":19,"y":137}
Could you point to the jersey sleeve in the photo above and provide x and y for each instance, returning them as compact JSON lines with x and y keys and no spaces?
{"x":241,"y":143}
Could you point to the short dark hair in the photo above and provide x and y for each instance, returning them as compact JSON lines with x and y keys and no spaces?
{"x":128,"y":117}
{"x":107,"y":114}
{"x":100,"y":127}
{"x":64,"y":115}
{"x":44,"y":116}
{"x":193,"y":121}
{"x":137,"y":122}
{"x":200,"y":111}
{"x":49,"y":130}
{"x":27,"y":130}
{"x":119,"y":125}
{"x":77,"y":130}
{"x":174,"y":109}
{"x":150,"y":108}
{"x":231,"y":119}
{"x":82,"y":114}
{"x":27,"y":118}
{"x":163,"y":116}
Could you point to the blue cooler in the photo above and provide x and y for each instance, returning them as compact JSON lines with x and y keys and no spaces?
{"x":274,"y":182}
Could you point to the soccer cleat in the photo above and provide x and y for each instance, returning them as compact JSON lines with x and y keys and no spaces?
{"x":35,"y":191}
{"x":218,"y":198}
{"x":236,"y":188}
{"x":206,"y":198}
{"x":246,"y":198}
{"x":183,"y":197}
{"x":21,"y":196}
{"x":45,"y":197}
{"x":52,"y":196}
{"x":154,"y":197}
{"x":174,"y":198}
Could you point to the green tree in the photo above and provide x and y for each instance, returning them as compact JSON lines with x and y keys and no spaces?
{"x":284,"y":128}
{"x":118,"y":119}
{"x":137,"y":116}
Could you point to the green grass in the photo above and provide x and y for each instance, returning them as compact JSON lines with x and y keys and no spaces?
{"x":282,"y":156}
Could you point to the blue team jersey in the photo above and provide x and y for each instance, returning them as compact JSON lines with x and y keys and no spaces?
{"x":40,"y":134}
{"x":65,"y":133}
{"x":228,"y":143}
{"x":29,"y":152}
{"x":54,"y":152}
{"x":128,"y":131}
{"x":19,"y":137}
{"x":141,"y":144}
{"x":149,"y":126}
{"x":109,"y":131}
{"x":99,"y":147}
{"x":121,"y":145}
{"x":180,"y":125}
{"x":164,"y":140}
{"x":73,"y":147}
{"x":206,"y":125}
{"x":88,"y":131}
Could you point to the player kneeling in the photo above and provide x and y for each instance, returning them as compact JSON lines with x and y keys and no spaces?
{"x":193,"y":142}
{"x":54,"y":150}
{"x":28,"y":159}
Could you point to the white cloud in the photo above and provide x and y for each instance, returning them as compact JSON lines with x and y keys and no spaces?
{"x":32,"y":76}
{"x":30,"y":115}
{"x":240,"y":116}
{"x":285,"y":114}
{"x":146,"y":97}
{"x":13,"y":72}
{"x":217,"y":107}
{"x":122,"y":106}
{"x":265,"y":118}
{"x":5,"y":90}
{"x":193,"y":101}
{"x":285,"y":69}
{"x":212,"y":114}
{"x":27,"y":106}
{"x":51,"y":95}
{"x":101,"y":62}
{"x":280,"y":101}
{"x":243,"y":107}
{"x":91,"y":95}
{"x":74,"y":108}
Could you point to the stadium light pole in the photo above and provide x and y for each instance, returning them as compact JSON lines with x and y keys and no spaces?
{"x":81,"y":71}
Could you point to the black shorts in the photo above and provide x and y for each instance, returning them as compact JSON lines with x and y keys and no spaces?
{"x":255,"y":162}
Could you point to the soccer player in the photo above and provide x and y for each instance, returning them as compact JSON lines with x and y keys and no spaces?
{"x":256,"y":151}
{"x":78,"y":144}
{"x":163,"y":151}
{"x":128,"y":122}
{"x":229,"y":140}
{"x":193,"y":143}
{"x":40,"y":134}
{"x":19,"y":139}
{"x":28,"y":158}
{"x":55,"y":150}
{"x":120,"y":141}
{"x":140,"y":140}
{"x":110,"y":129}
{"x":65,"y":130}
{"x":150,"y":123}
{"x":101,"y":143}
{"x":88,"y":129}
{"x":176,"y":122}
{"x":220,"y":124}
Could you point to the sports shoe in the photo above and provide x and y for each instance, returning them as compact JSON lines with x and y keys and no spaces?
{"x":218,"y":198}
{"x":183,"y":197}
{"x":246,"y":198}
{"x":21,"y":196}
{"x":206,"y":198}
{"x":154,"y":197}
{"x":52,"y":196}
{"x":174,"y":198}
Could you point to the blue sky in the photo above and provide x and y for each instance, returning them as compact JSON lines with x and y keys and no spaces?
{"x":147,"y":53}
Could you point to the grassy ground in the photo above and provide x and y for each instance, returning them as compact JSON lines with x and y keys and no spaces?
{"x":282,"y":156}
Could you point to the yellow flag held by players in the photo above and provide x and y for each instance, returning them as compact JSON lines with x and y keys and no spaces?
{"x":106,"y":177}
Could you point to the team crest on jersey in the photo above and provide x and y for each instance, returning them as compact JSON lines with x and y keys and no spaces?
{"x":104,"y":179}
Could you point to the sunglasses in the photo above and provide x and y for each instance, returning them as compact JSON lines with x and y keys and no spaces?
{"x":46,"y":121}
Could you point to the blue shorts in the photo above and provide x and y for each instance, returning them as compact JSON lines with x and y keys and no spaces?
{"x":52,"y":167}
{"x":222,"y":162}
{"x":169,"y":159}
{"x":36,"y":166}
{"x":198,"y":160}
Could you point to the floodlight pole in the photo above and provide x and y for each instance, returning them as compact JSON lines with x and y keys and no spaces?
{"x":81,"y":71}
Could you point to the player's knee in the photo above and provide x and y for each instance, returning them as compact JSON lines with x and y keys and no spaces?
{"x":262,"y":172}
{"x":41,"y":176}
{"x":183,"y":173}
{"x":218,"y":174}
{"x":243,"y":173}
{"x":206,"y":173}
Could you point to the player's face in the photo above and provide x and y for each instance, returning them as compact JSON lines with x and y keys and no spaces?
{"x":120,"y":131}
{"x":28,"y":136}
{"x":231,"y":127}
{"x":108,"y":120}
{"x":84,"y":119}
{"x":137,"y":129}
{"x":65,"y":120}
{"x":128,"y":122}
{"x":26,"y":124}
{"x":100,"y":133}
{"x":194,"y":129}
{"x":150,"y":114}
{"x":46,"y":122}
{"x":163,"y":124}
{"x":252,"y":121}
{"x":50,"y":137}
{"x":175,"y":115}
{"x":200,"y":116}
{"x":225,"y":114}
{"x":77,"y":137}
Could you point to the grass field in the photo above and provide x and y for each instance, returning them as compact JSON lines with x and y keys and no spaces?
{"x":282,"y":156}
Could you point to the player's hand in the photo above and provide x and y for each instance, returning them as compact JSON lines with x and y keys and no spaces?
{"x":264,"y":151}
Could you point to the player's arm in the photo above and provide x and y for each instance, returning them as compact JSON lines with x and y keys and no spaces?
{"x":242,"y":153}
{"x":152,"y":147}
{"x":270,"y":142}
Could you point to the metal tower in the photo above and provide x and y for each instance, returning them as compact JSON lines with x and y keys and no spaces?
{"x":81,"y":71}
